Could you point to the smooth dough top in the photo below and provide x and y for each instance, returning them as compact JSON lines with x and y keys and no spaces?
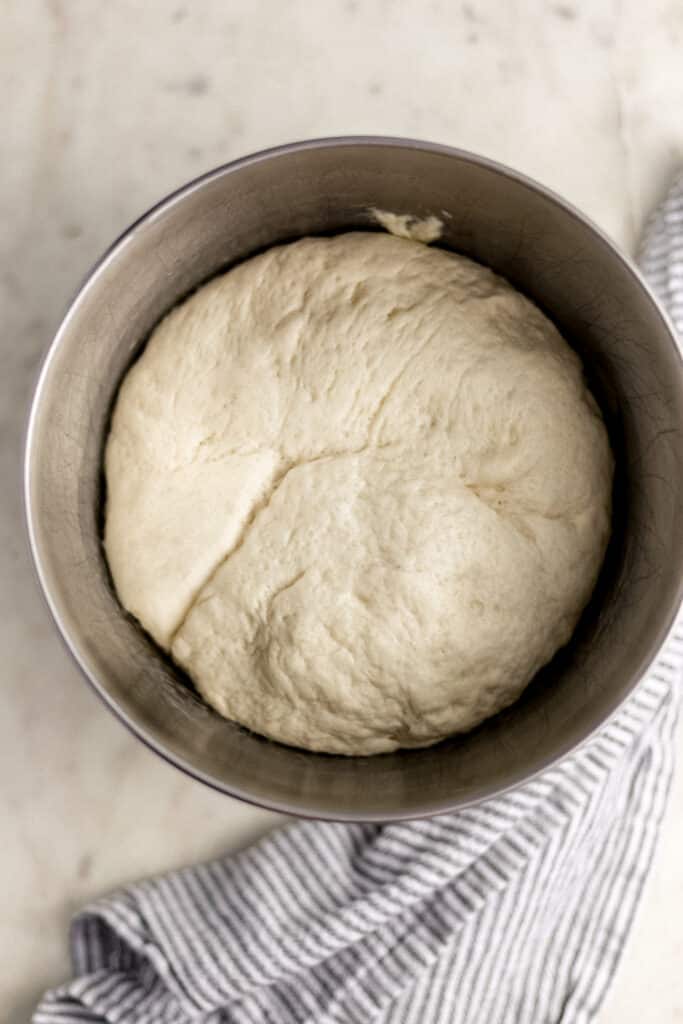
{"x":359,"y":490}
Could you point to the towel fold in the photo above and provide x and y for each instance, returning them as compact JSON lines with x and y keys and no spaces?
{"x":511,"y":912}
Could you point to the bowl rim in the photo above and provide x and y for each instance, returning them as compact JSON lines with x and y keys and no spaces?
{"x":30,"y":470}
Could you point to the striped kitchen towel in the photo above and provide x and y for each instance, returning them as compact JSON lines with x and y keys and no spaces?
{"x":511,"y":912}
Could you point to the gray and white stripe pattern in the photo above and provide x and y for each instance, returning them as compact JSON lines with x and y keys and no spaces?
{"x":512,"y":911}
{"x":661,"y":253}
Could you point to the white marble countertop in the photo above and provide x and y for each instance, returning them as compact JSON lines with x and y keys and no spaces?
{"x":112,"y":105}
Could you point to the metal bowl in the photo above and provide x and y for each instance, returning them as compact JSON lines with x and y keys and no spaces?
{"x":544,"y":247}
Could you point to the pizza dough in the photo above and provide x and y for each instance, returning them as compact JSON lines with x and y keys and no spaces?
{"x":359,"y":490}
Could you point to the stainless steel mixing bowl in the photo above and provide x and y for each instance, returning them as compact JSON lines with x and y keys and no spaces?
{"x":549,"y":251}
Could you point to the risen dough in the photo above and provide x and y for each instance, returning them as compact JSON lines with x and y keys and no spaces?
{"x":359,"y":490}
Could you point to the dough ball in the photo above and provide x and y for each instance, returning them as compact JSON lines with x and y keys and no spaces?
{"x":359,"y":490}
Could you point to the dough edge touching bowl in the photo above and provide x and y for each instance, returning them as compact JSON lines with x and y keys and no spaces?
{"x":549,"y":251}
